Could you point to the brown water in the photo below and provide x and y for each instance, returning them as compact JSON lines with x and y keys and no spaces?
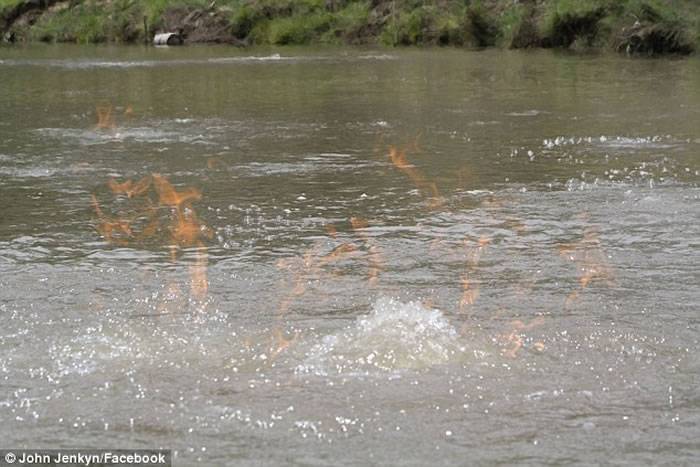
{"x":350,"y":257}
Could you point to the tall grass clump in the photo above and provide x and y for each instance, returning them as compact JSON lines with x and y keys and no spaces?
{"x":7,"y":4}
{"x":518,"y":27}
{"x":652,"y":27}
{"x":91,"y":22}
{"x":298,"y":29}
{"x":481,"y":30}
{"x":154,"y":10}
{"x":350,"y":24}
{"x":280,"y":21}
{"x":84,"y":24}
{"x":568,"y":23}
{"x":424,"y":23}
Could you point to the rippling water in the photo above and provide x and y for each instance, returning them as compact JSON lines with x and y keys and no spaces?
{"x":412,"y":257}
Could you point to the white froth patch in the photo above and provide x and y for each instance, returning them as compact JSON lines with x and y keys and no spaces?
{"x":394,"y":336}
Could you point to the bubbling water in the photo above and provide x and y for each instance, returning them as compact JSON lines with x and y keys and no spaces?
{"x":394,"y":336}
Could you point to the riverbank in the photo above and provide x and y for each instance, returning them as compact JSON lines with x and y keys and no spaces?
{"x":635,"y":27}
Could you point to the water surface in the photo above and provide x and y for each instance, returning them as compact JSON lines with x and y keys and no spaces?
{"x":411,"y":257}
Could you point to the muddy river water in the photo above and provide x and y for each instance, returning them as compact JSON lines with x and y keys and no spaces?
{"x":350,"y":257}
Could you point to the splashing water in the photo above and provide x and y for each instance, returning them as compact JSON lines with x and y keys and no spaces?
{"x":394,"y":336}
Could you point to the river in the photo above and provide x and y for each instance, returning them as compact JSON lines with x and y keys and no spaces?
{"x":322,"y":256}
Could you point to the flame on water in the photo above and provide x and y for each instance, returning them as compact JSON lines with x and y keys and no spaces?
{"x":129,"y":187}
{"x":514,"y":339}
{"x":105,"y":115}
{"x":331,"y":230}
{"x":338,"y":253}
{"x":171,"y":213}
{"x":280,"y":343}
{"x":215,"y":163}
{"x":470,"y":292}
{"x":379,"y":143}
{"x":168,"y":196}
{"x":399,"y":159}
{"x":114,"y":230}
{"x":470,"y":288}
{"x":590,"y":259}
{"x":160,"y":212}
{"x":311,"y":263}
{"x":199,"y":283}
{"x":105,"y":119}
{"x":375,"y":258}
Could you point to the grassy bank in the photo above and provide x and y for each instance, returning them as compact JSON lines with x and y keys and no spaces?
{"x":644,"y":27}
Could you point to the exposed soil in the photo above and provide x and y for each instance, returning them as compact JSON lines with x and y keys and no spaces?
{"x":199,"y":25}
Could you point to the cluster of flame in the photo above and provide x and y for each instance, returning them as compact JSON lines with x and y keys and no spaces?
{"x":592,"y":264}
{"x":470,"y":287}
{"x":590,"y":260}
{"x":184,"y":230}
{"x":399,"y":159}
{"x":105,"y":116}
{"x":310,"y":265}
{"x":157,"y":209}
{"x":587,"y":254}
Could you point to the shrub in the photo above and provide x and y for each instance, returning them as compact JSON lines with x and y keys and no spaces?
{"x":518,"y":28}
{"x":572,"y":21}
{"x":297,"y":29}
{"x":657,"y":29}
{"x":480,"y":29}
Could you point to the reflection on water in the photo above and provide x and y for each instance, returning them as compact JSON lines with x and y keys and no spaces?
{"x":328,"y":256}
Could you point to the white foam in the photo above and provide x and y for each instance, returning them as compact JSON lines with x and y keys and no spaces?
{"x":394,"y":336}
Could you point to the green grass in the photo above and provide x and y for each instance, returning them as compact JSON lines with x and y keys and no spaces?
{"x":424,"y":23}
{"x":83,"y":24}
{"x":297,"y":29}
{"x":481,"y":29}
{"x":349,"y":24}
{"x":653,"y":27}
{"x":92,"y":22}
{"x":572,"y":22}
{"x":667,"y":26}
{"x":516,"y":28}
{"x":8,"y":3}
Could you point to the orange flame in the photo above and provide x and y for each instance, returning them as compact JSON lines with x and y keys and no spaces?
{"x":187,"y":230}
{"x":183,"y":225}
{"x":304,"y":267}
{"x":470,"y":288}
{"x":331,"y":230}
{"x":129,"y":188}
{"x":311,"y":263}
{"x":338,"y":253}
{"x":399,"y":160}
{"x":215,"y":162}
{"x":280,"y":343}
{"x":199,"y":283}
{"x":515,"y":339}
{"x":105,"y":120}
{"x":168,"y":196}
{"x":375,"y":257}
{"x":115,"y":231}
{"x":470,"y":292}
{"x":590,"y":259}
